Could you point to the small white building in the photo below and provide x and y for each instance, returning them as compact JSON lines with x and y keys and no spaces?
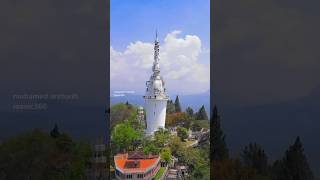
{"x":140,"y":116}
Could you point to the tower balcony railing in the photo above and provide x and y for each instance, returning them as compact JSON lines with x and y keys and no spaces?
{"x":159,"y":96}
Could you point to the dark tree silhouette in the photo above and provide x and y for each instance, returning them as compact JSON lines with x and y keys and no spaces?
{"x":254,"y":156}
{"x":189,"y":111}
{"x":294,"y":166}
{"x":277,"y":170}
{"x":177,"y":104}
{"x":55,"y":131}
{"x":170,"y":107}
{"x":219,"y":150}
{"x":202,"y":114}
{"x":295,"y":161}
{"x":36,"y":155}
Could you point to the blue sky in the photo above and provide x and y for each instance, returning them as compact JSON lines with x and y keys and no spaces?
{"x":133,"y":20}
{"x":184,"y":33}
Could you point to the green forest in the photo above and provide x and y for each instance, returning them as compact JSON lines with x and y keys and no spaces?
{"x":39,"y":155}
{"x":128,"y":135}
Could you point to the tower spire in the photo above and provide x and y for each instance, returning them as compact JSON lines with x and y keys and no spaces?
{"x":156,"y":67}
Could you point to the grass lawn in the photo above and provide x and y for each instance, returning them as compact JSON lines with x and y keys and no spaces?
{"x":159,"y":173}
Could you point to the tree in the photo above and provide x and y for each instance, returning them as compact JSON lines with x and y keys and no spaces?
{"x":121,"y":112}
{"x":278,"y":170}
{"x":55,"y":131}
{"x":148,"y":146}
{"x":182,"y":133}
{"x":37,"y":155}
{"x":170,"y":107}
{"x":192,"y":157}
{"x":176,"y":145}
{"x":294,"y":166}
{"x":202,"y":114}
{"x":161,"y":137}
{"x":177,"y":104}
{"x":130,"y":106}
{"x":219,"y":150}
{"x":230,"y":169}
{"x":201,"y":171}
{"x":124,"y":136}
{"x":64,"y":143}
{"x":254,"y":156}
{"x":197,"y":164}
{"x":165,"y":154}
{"x":195,"y":127}
{"x":189,"y":111}
{"x":180,"y":118}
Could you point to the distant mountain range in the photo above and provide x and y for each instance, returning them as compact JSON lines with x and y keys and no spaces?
{"x":195,"y":101}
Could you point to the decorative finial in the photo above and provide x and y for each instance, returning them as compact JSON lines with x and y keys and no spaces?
{"x":157,"y":35}
{"x":155,"y":67}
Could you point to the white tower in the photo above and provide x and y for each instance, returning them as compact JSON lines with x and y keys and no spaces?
{"x":155,"y":97}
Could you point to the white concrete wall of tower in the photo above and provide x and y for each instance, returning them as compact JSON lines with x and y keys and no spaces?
{"x":155,"y":114}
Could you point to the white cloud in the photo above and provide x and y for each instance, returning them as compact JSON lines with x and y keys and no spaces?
{"x":181,"y":67}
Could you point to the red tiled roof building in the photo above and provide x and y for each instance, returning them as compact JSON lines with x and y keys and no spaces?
{"x":136,"y":165}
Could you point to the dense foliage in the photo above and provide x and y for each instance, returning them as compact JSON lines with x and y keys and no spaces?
{"x":161,"y":137}
{"x":201,"y":114}
{"x":165,"y":154}
{"x":254,"y":156}
{"x":182,"y":133}
{"x":189,"y":111}
{"x":219,"y":150}
{"x":128,"y":135}
{"x":38,"y":155}
{"x":180,"y":118}
{"x":294,"y":165}
{"x":170,"y":107}
{"x":196,"y":159}
{"x":124,"y":136}
{"x":177,"y":104}
{"x":121,"y":112}
{"x":149,"y":146}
